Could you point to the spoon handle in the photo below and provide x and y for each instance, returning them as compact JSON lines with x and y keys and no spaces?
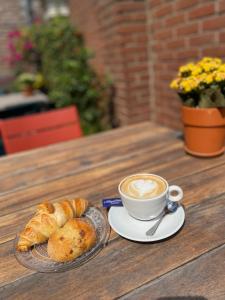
{"x":153,"y":229}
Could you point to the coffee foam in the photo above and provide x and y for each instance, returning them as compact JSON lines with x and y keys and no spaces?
{"x":143,"y":186}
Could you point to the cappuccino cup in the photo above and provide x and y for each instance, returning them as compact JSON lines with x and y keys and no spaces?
{"x":145,"y":195}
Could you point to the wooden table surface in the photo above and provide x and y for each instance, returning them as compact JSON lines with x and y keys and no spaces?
{"x":191,"y":263}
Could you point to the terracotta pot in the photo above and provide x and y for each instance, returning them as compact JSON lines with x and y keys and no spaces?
{"x":28,"y":90}
{"x":204,"y":130}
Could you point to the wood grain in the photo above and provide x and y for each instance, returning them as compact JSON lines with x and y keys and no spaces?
{"x":162,"y":161}
{"x":92,"y":167}
{"x":76,"y":162}
{"x":134,"y":264}
{"x":195,"y":185}
{"x":201,"y":279}
{"x":30,"y":160}
{"x":113,"y":170}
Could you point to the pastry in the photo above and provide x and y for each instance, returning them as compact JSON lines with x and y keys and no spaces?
{"x":73,"y":239}
{"x":49,"y":217}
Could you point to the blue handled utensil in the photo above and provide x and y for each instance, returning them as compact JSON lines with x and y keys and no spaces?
{"x":108,"y":202}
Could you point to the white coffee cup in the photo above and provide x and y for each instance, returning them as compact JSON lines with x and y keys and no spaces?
{"x":150,"y":208}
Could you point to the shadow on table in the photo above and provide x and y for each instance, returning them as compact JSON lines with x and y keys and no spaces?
{"x":183,"y":298}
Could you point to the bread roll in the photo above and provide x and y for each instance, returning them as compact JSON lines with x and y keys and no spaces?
{"x":72,"y":240}
{"x":49,"y":217}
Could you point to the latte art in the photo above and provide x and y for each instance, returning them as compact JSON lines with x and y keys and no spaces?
{"x":143,"y":186}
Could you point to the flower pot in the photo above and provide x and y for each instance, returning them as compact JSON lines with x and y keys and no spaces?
{"x":28,"y":90}
{"x":204,"y":130}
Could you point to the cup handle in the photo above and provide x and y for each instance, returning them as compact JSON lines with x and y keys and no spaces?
{"x":177,"y":189}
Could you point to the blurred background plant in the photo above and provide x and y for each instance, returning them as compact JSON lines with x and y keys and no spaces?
{"x":27,"y":82}
{"x":55,"y":51}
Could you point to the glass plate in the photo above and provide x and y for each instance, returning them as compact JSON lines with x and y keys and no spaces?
{"x":37,"y":258}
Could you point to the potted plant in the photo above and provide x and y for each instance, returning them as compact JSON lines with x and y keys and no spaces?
{"x":201,"y":87}
{"x":28,"y":82}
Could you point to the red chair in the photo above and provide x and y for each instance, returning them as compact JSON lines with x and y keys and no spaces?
{"x":41,"y":129}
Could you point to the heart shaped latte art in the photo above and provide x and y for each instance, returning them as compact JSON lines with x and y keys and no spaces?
{"x":143,"y":186}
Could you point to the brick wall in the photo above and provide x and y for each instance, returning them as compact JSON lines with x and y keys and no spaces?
{"x":12,"y":16}
{"x":180,"y":31}
{"x":116,"y":32}
{"x":142,"y":43}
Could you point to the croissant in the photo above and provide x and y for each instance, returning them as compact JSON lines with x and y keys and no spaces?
{"x":48,"y":218}
{"x":70,"y":241}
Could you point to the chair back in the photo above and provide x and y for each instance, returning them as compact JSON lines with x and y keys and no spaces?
{"x":40,"y":129}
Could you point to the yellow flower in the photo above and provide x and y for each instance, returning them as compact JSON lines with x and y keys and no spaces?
{"x":222,"y":68}
{"x":186,"y":69}
{"x":209,"y":79}
{"x":188,"y":84}
{"x":209,"y":64}
{"x":196,"y":71}
{"x":206,"y":78}
{"x":205,"y":60}
{"x":175,"y":84}
{"x":213,"y":60}
{"x":185,"y":86}
{"x":219,"y":76}
{"x":218,"y":61}
{"x":194,"y":77}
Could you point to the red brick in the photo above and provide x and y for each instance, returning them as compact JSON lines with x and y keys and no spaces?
{"x":214,"y":51}
{"x":216,"y":22}
{"x":173,"y":39}
{"x":222,"y":37}
{"x":158,"y":47}
{"x":142,"y":39}
{"x":137,"y":49}
{"x":179,"y":19}
{"x":132,"y":17}
{"x":163,"y":10}
{"x":164,"y":34}
{"x":188,"y":54}
{"x":182,"y":4}
{"x":165,"y":56}
{"x":201,"y":40}
{"x":187,"y":29}
{"x":175,"y":44}
{"x":132,"y":28}
{"x":156,"y":26}
{"x":154,"y":3}
{"x":221,"y":6}
{"x":137,"y":68}
{"x":202,"y":11}
{"x":127,"y":7}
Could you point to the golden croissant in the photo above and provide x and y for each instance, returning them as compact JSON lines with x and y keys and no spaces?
{"x":49,"y":217}
{"x":70,"y":241}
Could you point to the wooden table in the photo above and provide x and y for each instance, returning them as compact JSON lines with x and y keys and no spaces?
{"x":192,"y":263}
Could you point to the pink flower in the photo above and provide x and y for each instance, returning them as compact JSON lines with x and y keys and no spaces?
{"x":17,"y":57}
{"x":28,"y":45}
{"x":14,"y":33}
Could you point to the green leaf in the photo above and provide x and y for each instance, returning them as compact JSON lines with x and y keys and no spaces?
{"x":63,"y":60}
{"x":189,"y":102}
{"x":211,"y":98}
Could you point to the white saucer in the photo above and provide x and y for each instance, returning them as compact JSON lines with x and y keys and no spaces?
{"x":133,"y":229}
